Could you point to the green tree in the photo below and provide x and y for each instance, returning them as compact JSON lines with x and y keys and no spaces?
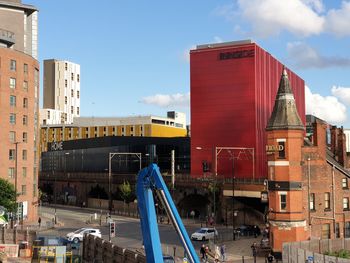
{"x":125,"y":193}
{"x":7,"y":196}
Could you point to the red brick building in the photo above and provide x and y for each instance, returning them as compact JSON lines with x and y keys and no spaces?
{"x":308,"y":180}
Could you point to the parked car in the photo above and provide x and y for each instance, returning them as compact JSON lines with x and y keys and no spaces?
{"x":78,"y":235}
{"x":168,"y":259}
{"x":246,"y":230}
{"x":204,"y":234}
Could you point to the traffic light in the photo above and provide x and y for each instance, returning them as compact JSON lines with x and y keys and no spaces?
{"x":112,"y":229}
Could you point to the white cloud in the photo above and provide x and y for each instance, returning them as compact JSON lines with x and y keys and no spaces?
{"x":270,"y":17}
{"x":342,"y":93}
{"x":327,"y":108}
{"x":300,"y":17}
{"x":338,"y":20}
{"x":304,"y":56}
{"x":168,"y":101}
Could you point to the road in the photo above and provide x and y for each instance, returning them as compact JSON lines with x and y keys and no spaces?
{"x":128,"y":230}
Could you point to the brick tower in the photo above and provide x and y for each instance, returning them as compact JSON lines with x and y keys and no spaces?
{"x":285,"y":136}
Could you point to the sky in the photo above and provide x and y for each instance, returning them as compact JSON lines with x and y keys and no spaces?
{"x":134,"y":55}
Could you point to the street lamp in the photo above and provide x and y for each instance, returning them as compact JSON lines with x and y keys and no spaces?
{"x":111,"y":155}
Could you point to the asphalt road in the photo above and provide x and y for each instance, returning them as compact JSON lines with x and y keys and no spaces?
{"x":128,"y":230}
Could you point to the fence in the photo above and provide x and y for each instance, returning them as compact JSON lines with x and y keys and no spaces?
{"x":12,"y":236}
{"x":97,"y":250}
{"x":314,"y":250}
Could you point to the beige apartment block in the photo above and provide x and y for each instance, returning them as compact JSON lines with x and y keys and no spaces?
{"x":61,"y":92}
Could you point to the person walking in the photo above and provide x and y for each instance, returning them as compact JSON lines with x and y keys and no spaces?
{"x":254,"y":248}
{"x":223,"y":252}
{"x":39,"y":221}
{"x":202,"y":251}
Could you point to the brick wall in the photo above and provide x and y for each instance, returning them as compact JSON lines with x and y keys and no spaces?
{"x":13,"y":236}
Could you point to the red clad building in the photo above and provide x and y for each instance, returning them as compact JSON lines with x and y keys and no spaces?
{"x":233,"y":90}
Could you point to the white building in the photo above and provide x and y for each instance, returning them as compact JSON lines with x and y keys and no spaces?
{"x":61,"y":92}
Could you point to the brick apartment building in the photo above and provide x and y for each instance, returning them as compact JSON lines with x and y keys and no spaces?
{"x":308,"y":177}
{"x":19,"y":103}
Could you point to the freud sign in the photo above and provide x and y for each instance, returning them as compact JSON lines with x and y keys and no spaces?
{"x":56,"y":146}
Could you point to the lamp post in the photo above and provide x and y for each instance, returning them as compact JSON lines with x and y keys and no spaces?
{"x":233,"y":200}
{"x":111,"y":155}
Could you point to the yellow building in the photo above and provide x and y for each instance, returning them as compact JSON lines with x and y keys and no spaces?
{"x":174,"y":125}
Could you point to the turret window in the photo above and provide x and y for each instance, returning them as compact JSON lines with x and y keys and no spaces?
{"x":283,"y":201}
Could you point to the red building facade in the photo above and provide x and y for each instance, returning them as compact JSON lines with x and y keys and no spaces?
{"x":233,"y":89}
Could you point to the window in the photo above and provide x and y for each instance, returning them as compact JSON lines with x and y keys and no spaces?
{"x":12,"y":118}
{"x":24,"y":155}
{"x":12,"y":136}
{"x":65,"y":83}
{"x":327,"y":201}
{"x":72,"y":76}
{"x":48,"y":114}
{"x":344,"y":182}
{"x":24,"y":171}
{"x":72,"y":93}
{"x":78,"y":94}
{"x":346,"y":203}
{"x":25,"y":85}
{"x":25,"y":120}
{"x":347,"y":229}
{"x":312,"y":201}
{"x":34,"y":190}
{"x":65,"y":99}
{"x":281,"y":150}
{"x":25,"y":137}
{"x":12,"y":100}
{"x":11,"y":172}
{"x":283,"y":202}
{"x":13,"y":65}
{"x":25,"y":68}
{"x":326,"y":231}
{"x":12,"y":83}
{"x":337,"y":230}
{"x":65,"y":66}
{"x":71,"y":109}
{"x":78,"y":77}
{"x":25,"y":103}
{"x":78,"y":110}
{"x":24,"y":189}
{"x":12,"y":153}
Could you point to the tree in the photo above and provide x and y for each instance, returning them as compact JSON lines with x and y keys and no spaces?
{"x":8,"y":195}
{"x":125,"y":192}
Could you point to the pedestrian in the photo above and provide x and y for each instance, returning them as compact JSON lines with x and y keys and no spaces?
{"x":202,"y":251}
{"x":254,"y":249}
{"x":39,"y":221}
{"x":256,"y":230}
{"x":270,"y":258}
{"x":206,"y":254}
{"x":223,"y":252}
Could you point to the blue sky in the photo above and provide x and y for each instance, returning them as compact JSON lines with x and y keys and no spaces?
{"x":134,"y":54}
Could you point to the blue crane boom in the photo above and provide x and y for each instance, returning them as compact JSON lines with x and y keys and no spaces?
{"x":150,"y":180}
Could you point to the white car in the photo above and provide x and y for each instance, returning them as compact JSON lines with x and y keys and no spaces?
{"x":204,"y":234}
{"x":78,"y":235}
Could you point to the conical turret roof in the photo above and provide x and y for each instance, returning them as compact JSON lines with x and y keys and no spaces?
{"x":285,"y":114}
